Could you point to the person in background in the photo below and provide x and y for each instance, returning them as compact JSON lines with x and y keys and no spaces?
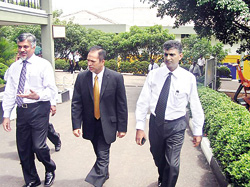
{"x":71,"y":63}
{"x":53,"y":136}
{"x":201,"y":63}
{"x":195,"y":69}
{"x":166,"y":93}
{"x":99,"y":111}
{"x":77,"y":58}
{"x":30,"y":85}
{"x":152,"y":65}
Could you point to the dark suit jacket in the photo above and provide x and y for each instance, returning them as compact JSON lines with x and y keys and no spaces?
{"x":113,"y":105}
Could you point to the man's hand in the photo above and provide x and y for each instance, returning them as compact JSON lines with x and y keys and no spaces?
{"x":197,"y":140}
{"x":53,"y":110}
{"x":32,"y":95}
{"x":121,"y":134}
{"x":6,"y":124}
{"x":77,"y":132}
{"x":139,"y":135}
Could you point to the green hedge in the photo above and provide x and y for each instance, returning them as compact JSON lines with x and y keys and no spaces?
{"x":3,"y":69}
{"x":83,"y":64}
{"x":112,"y":64}
{"x":61,"y":64}
{"x":138,"y":67}
{"x":224,"y":71}
{"x":227,"y":125}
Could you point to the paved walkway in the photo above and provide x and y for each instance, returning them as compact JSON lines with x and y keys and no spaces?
{"x":131,"y":165}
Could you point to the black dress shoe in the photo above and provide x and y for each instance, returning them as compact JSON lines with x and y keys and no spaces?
{"x":159,"y":183}
{"x":107,"y":177}
{"x":49,"y":178}
{"x":58,"y":147}
{"x":32,"y":184}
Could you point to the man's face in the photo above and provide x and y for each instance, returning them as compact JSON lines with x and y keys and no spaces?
{"x":25,"y":50}
{"x":94,"y":64}
{"x":172,"y":58}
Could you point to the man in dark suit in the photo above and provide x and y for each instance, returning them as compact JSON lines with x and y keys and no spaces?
{"x":99,"y":107}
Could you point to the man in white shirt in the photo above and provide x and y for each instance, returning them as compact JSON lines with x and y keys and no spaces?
{"x":152,"y":65}
{"x":71,"y":62}
{"x":31,"y":85}
{"x":201,"y":63}
{"x":167,"y":123}
{"x":77,"y":58}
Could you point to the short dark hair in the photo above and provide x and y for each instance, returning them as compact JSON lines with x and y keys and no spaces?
{"x":172,"y":44}
{"x":27,"y":36}
{"x":101,"y":52}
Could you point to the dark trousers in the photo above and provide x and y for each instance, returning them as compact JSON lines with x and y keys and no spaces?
{"x":31,"y":134}
{"x":77,"y":66}
{"x":99,"y":172}
{"x":71,"y":66}
{"x":201,"y":68}
{"x":53,"y":135}
{"x":165,"y":145}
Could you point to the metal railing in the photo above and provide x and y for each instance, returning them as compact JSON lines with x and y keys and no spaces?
{"x":27,"y":3}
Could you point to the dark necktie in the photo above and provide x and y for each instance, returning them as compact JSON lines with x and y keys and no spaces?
{"x":152,"y":67}
{"x":162,"y":102}
{"x":20,"y":89}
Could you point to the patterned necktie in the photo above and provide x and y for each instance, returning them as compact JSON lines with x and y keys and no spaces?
{"x":20,"y":89}
{"x":96,"y":99}
{"x":162,"y":102}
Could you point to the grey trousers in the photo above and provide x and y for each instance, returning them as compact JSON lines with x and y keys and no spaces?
{"x":165,"y":145}
{"x":99,"y":172}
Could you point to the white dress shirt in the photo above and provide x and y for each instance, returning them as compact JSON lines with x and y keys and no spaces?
{"x":39,"y":78}
{"x":100,"y":76}
{"x":154,"y":66}
{"x":77,"y":58}
{"x":201,"y":62}
{"x":183,"y":89}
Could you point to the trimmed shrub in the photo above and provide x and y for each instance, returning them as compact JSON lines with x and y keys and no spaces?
{"x":61,"y":64}
{"x":140,"y":67}
{"x":227,"y":126}
{"x":224,"y":71}
{"x":3,"y":69}
{"x":83,"y":64}
{"x":239,"y":171}
{"x":125,"y":67}
{"x":111,"y":64}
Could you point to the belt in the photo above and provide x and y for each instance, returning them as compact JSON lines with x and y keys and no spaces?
{"x":30,"y":105}
{"x":167,"y":121}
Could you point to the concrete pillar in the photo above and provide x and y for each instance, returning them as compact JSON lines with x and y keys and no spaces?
{"x":46,"y":33}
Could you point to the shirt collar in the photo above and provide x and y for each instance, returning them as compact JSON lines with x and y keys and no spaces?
{"x":175,"y":73}
{"x":29,"y":60}
{"x":99,"y":75}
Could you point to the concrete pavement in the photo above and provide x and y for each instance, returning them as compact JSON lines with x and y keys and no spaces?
{"x":130,"y":165}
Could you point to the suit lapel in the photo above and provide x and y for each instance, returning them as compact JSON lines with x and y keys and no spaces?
{"x":105,"y":80}
{"x":90,"y":84}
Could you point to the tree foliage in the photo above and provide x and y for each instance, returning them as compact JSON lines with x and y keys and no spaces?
{"x":146,"y":42}
{"x":12,"y":32}
{"x":8,"y":51}
{"x":194,"y":47}
{"x":227,"y":20}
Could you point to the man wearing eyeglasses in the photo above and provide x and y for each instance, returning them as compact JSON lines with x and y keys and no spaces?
{"x":31,"y":85}
{"x":166,"y":93}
